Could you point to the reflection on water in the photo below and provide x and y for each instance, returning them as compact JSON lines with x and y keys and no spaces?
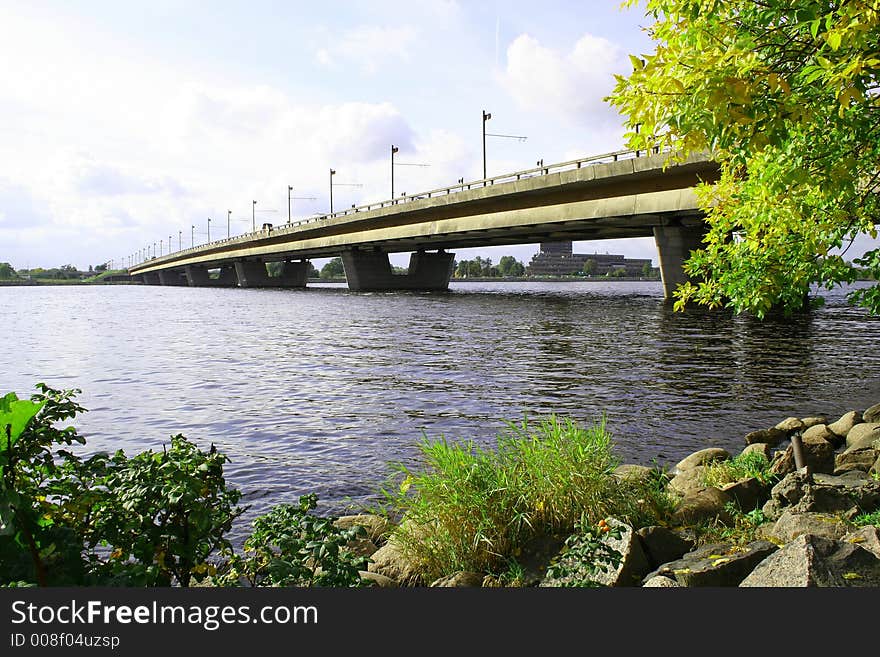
{"x":320,"y":389}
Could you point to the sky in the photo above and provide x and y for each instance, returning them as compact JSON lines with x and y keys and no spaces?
{"x":129,"y":123}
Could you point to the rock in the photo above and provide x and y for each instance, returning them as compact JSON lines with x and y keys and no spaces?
{"x":846,"y":422}
{"x":863,"y":435}
{"x":813,"y":421}
{"x":749,"y":494}
{"x":758,"y":448}
{"x":630,"y":571}
{"x":662,"y":545}
{"x":392,"y":561}
{"x":461,"y":579}
{"x":867,"y":537}
{"x":661,"y":582}
{"x":720,"y":564}
{"x":377,"y":527}
{"x":791,"y":525}
{"x":817,"y":451}
{"x":783,"y":463}
{"x":791,"y":489}
{"x":872,"y":414}
{"x":378,"y":580}
{"x":632,"y":472}
{"x":875,"y":469}
{"x":703,"y":505}
{"x":813,"y":560}
{"x":856,"y":459}
{"x":362,"y":547}
{"x":789,"y":425}
{"x":702,"y":457}
{"x":688,"y":481}
{"x":821,"y":432}
{"x":772,"y":436}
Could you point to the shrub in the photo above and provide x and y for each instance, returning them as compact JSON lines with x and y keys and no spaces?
{"x":474,"y":509}
{"x":742,"y":466}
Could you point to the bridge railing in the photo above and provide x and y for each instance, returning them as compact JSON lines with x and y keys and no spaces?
{"x":604,"y":158}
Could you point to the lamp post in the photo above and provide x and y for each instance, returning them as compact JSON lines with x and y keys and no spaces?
{"x":332,"y":173}
{"x":180,"y":240}
{"x":169,"y":245}
{"x":289,"y":190}
{"x":394,"y":149}
{"x":486,"y":117}
{"x":209,"y":230}
{"x":228,"y":221}
{"x":254,"y":217}
{"x":192,"y":235}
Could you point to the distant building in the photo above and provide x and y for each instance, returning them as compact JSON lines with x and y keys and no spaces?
{"x":557,"y":259}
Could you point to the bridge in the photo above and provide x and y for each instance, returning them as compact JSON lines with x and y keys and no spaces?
{"x":614,"y":195}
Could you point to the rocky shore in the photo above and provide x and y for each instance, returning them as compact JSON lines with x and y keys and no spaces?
{"x":825,"y":476}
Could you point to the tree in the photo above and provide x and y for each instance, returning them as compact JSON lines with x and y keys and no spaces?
{"x":6,"y":271}
{"x":784,"y":95}
{"x":647,"y":270}
{"x":510,"y":266}
{"x":589,"y":267}
{"x":333,"y":269}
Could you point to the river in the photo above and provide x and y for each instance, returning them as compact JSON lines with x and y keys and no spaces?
{"x":319,"y":390}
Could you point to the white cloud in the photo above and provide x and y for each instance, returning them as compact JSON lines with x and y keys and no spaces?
{"x":366,"y":46}
{"x":567,"y":85}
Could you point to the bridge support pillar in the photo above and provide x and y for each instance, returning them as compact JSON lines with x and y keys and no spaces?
{"x":293,"y":274}
{"x":151,"y":278}
{"x":252,"y":273}
{"x":674,"y":246}
{"x":198,"y":276}
{"x":172,"y":277}
{"x":371,"y":271}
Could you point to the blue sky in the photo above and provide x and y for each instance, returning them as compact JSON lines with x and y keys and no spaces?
{"x":127,"y":123}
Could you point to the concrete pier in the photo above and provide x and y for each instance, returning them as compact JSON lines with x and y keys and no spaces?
{"x":200,"y":276}
{"x":293,"y":274}
{"x":172,"y":277}
{"x":252,"y":273}
{"x":674,"y":246}
{"x":371,"y":271}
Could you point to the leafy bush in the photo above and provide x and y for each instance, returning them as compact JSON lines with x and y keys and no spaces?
{"x":586,"y":555}
{"x":292,"y":547}
{"x":474,"y":509}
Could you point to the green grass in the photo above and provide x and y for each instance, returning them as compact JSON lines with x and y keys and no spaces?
{"x":864,"y":519}
{"x":743,"y":466}
{"x":475,"y":509}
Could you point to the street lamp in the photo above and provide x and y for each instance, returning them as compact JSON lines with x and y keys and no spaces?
{"x":209,"y":230}
{"x":289,"y":189}
{"x":180,"y":240}
{"x":192,"y":235}
{"x":394,"y":149}
{"x":169,"y":245}
{"x":228,"y":221}
{"x":486,"y":117}
{"x":332,"y":173}
{"x":254,"y":217}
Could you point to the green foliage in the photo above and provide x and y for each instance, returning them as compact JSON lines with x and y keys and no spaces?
{"x":864,"y":519}
{"x":589,"y":267}
{"x":742,"y":531}
{"x":510,"y":266}
{"x":742,"y":466}
{"x":587,"y":554}
{"x":292,"y":547}
{"x":333,"y":269}
{"x":785,"y":98}
{"x":150,"y":520}
{"x":475,"y":509}
{"x":7,"y":272}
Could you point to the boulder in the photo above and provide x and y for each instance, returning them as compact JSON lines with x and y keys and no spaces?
{"x":749,"y":494}
{"x":377,"y":527}
{"x":702,"y":457}
{"x":771,"y":436}
{"x":791,"y":525}
{"x":811,"y":560}
{"x":867,"y":537}
{"x":630,"y":571}
{"x":872,"y":414}
{"x":375,"y":579}
{"x":703,"y":505}
{"x":875,"y":469}
{"x":660,"y":582}
{"x":860,"y":459}
{"x":813,"y":421}
{"x":817,"y":451}
{"x":863,"y":435}
{"x":758,"y":448}
{"x":846,"y":422}
{"x":821,"y":432}
{"x":790,"y":425}
{"x":791,"y":488}
{"x":461,"y":579}
{"x":631,"y":472}
{"x":688,"y":481}
{"x":720,"y":564}
{"x":783,"y":463}
{"x":662,"y":545}
{"x":391,"y":560}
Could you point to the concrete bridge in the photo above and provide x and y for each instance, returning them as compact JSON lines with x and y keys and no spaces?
{"x":615,"y":195}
